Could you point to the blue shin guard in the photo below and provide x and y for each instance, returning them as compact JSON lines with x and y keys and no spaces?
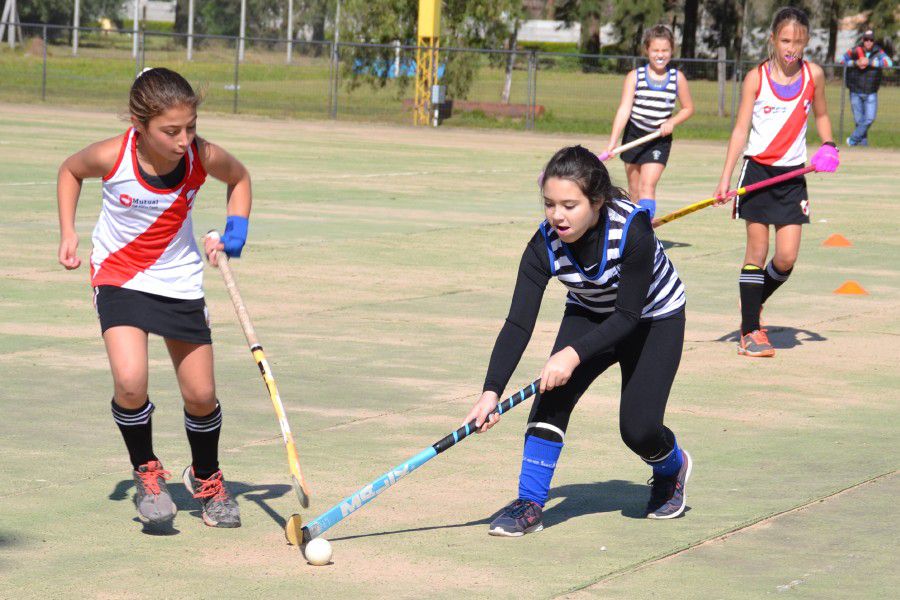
{"x":669,"y":465}
{"x":538,"y":463}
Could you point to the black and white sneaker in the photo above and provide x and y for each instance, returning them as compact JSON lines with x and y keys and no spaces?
{"x":668,"y":497}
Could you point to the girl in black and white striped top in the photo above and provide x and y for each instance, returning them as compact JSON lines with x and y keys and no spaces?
{"x":648,"y":101}
{"x":625,"y":305}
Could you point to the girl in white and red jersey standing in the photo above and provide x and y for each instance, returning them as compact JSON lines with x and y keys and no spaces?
{"x":147,"y":275}
{"x":775,"y":102}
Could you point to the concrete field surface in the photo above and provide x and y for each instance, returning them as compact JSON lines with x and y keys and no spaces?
{"x":378,"y":271}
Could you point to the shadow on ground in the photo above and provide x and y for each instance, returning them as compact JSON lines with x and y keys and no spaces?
{"x":666,"y":244}
{"x":578,"y":500}
{"x":780,"y":337}
{"x":258,"y":494}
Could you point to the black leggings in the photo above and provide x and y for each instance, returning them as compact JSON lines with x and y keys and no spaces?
{"x":649,"y":359}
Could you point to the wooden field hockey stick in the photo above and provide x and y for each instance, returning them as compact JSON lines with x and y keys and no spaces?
{"x":732,"y":194}
{"x":240,"y":308}
{"x":298,"y":536}
{"x":605,"y":156}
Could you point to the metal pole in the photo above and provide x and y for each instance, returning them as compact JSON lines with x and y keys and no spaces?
{"x":843,"y":100}
{"x":529,"y":120}
{"x":237,"y":67}
{"x":335,"y":60}
{"x":76,"y":22}
{"x":44,"y":67}
{"x":243,"y":29}
{"x":190,"y":39}
{"x":290,"y":33}
{"x":137,"y":16}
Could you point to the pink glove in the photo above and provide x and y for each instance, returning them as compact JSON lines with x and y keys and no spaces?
{"x":825,"y":160}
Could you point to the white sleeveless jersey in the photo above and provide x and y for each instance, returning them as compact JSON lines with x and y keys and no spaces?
{"x":598,"y":292}
{"x":778,"y":126}
{"x":144,"y":238}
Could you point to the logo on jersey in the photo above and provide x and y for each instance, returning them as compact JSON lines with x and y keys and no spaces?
{"x":806,"y":105}
{"x":129,"y":202}
{"x":776,"y":110}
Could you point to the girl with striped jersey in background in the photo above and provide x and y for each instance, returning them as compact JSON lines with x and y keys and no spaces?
{"x":775,"y":102}
{"x":147,"y":275}
{"x":625,"y":305}
{"x":648,"y":101}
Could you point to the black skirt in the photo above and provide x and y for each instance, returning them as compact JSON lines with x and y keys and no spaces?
{"x":654,"y":151}
{"x":171,"y":318}
{"x":786,"y":203}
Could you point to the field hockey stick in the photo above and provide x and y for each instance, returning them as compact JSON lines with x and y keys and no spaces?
{"x":732,"y":194}
{"x":240,"y":308}
{"x":354,"y":502}
{"x":605,"y":156}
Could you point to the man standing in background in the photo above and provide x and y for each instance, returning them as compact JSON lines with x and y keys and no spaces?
{"x":863,"y":80}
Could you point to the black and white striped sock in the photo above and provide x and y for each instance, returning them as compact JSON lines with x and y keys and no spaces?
{"x":136,"y":427}
{"x":751,"y":286}
{"x":203,"y":436}
{"x":773,"y":280}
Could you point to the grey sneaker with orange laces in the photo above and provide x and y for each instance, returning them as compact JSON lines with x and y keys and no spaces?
{"x":217,"y":506}
{"x":152,"y":499}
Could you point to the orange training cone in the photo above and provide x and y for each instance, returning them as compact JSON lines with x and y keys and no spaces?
{"x":851,"y":287}
{"x":836,"y":240}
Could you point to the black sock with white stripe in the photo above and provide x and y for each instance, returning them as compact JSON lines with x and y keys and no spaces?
{"x":136,"y":427}
{"x":203,"y":436}
{"x":773,"y":280}
{"x":751,"y":284}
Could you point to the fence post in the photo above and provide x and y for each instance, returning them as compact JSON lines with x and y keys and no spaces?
{"x":44,"y":67}
{"x":843,"y":100}
{"x":532,"y":90}
{"x":237,"y":67}
{"x":335,"y":64}
{"x":735,"y":89}
{"x":720,"y":75}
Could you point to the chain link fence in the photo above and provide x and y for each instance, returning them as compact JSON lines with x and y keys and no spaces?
{"x":553,"y":92}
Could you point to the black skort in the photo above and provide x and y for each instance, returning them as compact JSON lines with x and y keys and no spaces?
{"x":654,"y":151}
{"x":171,"y":318}
{"x":786,"y":203}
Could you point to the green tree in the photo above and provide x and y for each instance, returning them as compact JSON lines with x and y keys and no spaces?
{"x":632,"y":17}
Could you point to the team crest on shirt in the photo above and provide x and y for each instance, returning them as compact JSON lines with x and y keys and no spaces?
{"x":806,"y":105}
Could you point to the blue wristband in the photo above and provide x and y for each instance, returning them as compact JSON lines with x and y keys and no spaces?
{"x":235,"y":235}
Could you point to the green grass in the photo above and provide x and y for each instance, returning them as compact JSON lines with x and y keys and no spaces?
{"x":574,"y":102}
{"x":378,"y":271}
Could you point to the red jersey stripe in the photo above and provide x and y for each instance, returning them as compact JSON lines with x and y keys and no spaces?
{"x":143,"y":251}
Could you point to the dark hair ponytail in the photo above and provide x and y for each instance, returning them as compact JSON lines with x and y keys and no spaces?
{"x":582,"y":167}
{"x":157,"y":90}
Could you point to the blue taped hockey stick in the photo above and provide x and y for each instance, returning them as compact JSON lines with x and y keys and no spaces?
{"x":354,"y":502}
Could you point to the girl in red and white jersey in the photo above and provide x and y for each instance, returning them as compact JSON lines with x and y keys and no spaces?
{"x":775,"y":102}
{"x":147,"y":275}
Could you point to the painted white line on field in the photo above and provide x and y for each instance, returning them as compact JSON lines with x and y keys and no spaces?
{"x":19,"y":183}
